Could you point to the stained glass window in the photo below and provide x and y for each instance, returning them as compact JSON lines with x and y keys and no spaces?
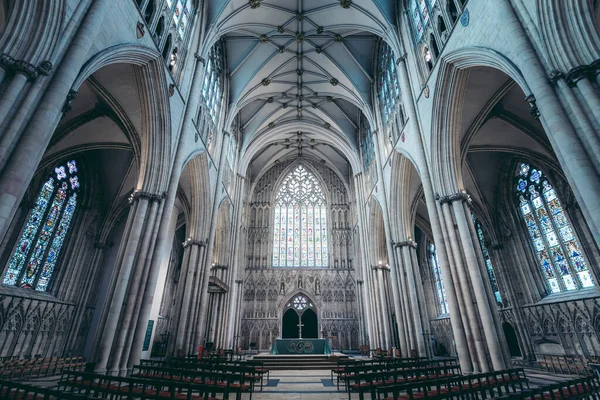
{"x":439,"y":283}
{"x":181,"y":15}
{"x":486,"y":258}
{"x":36,"y":253}
{"x":556,"y":246}
{"x":300,"y":223}
{"x":419,"y":16}
{"x":212,"y":91}
{"x":388,"y":86}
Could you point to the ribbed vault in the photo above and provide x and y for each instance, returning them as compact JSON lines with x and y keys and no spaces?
{"x":299,"y":62}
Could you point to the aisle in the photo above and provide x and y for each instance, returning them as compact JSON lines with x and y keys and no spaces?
{"x":296,"y":385}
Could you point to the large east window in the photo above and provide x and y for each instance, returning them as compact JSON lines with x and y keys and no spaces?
{"x":556,"y":246}
{"x":300,"y":222}
{"x":38,"y":249}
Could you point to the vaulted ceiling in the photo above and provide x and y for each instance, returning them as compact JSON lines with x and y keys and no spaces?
{"x":301,"y":73}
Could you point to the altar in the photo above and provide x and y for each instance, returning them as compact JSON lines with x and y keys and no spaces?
{"x":300,"y":346}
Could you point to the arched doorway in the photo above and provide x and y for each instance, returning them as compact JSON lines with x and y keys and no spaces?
{"x":511,"y":340}
{"x":309,"y":324}
{"x":290,"y":324}
{"x":299,"y":319}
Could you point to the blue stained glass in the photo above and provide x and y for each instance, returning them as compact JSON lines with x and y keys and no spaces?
{"x":31,"y":228}
{"x":567,"y":260}
{"x":389,"y":87}
{"x":56,"y":245}
{"x":35,"y":256}
{"x":38,"y":253}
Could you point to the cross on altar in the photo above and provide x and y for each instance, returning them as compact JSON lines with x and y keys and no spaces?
{"x":300,"y":325}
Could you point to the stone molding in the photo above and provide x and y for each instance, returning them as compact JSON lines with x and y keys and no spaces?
{"x":409,"y":243}
{"x":195,"y":242}
{"x":72,"y":95}
{"x":460,"y":196}
{"x":576,"y":74}
{"x":146,"y":196}
{"x":200,"y":59}
{"x":25,"y":68}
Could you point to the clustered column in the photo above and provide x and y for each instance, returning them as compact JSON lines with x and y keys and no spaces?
{"x":477,"y":311}
{"x":187,"y":298}
{"x":128,"y":290}
{"x":414,"y":317}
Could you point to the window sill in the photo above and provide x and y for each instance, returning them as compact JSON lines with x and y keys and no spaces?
{"x":581,"y":294}
{"x":14,"y":291}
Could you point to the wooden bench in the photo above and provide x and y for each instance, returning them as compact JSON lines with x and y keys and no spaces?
{"x":486,"y":385}
{"x":563,"y":363}
{"x":11,"y":390}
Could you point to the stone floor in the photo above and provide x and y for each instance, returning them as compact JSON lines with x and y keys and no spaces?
{"x":296,"y":385}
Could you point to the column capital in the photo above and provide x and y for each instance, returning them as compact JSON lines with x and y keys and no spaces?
{"x":360,"y":282}
{"x":401,"y":58}
{"x":409,"y":243}
{"x":451,"y":198}
{"x":239,"y":281}
{"x":200,"y":59}
{"x":194,"y":242}
{"x":138,"y":194}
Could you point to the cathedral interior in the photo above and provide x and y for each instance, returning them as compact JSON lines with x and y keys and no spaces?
{"x":418,"y":178}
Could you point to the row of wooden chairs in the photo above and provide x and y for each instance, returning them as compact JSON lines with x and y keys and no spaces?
{"x":16,"y":370}
{"x":368,"y":382}
{"x":576,"y":389}
{"x":237,"y":377}
{"x":11,"y":390}
{"x":93,"y":386}
{"x":255,"y":368}
{"x":347,"y":369}
{"x":489,"y":385}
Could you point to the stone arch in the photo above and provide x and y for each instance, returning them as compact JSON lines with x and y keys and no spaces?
{"x":156,"y":142}
{"x":447,"y":105}
{"x":569,"y":32}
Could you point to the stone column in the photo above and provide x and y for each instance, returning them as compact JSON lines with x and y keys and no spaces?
{"x":467,"y":312}
{"x":435,"y":217}
{"x":413,"y":296}
{"x":130,"y":244}
{"x":484,"y":308}
{"x":136,"y":288}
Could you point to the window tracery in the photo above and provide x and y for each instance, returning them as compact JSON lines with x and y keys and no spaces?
{"x":34,"y":258}
{"x":438,"y":281}
{"x":555,"y":243}
{"x":389,"y":87}
{"x":300,"y":236}
{"x":212,"y":86}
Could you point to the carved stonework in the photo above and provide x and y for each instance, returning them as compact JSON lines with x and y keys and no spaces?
{"x":137,"y":195}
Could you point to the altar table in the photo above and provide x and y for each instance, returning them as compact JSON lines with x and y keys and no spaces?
{"x":300,"y":346}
